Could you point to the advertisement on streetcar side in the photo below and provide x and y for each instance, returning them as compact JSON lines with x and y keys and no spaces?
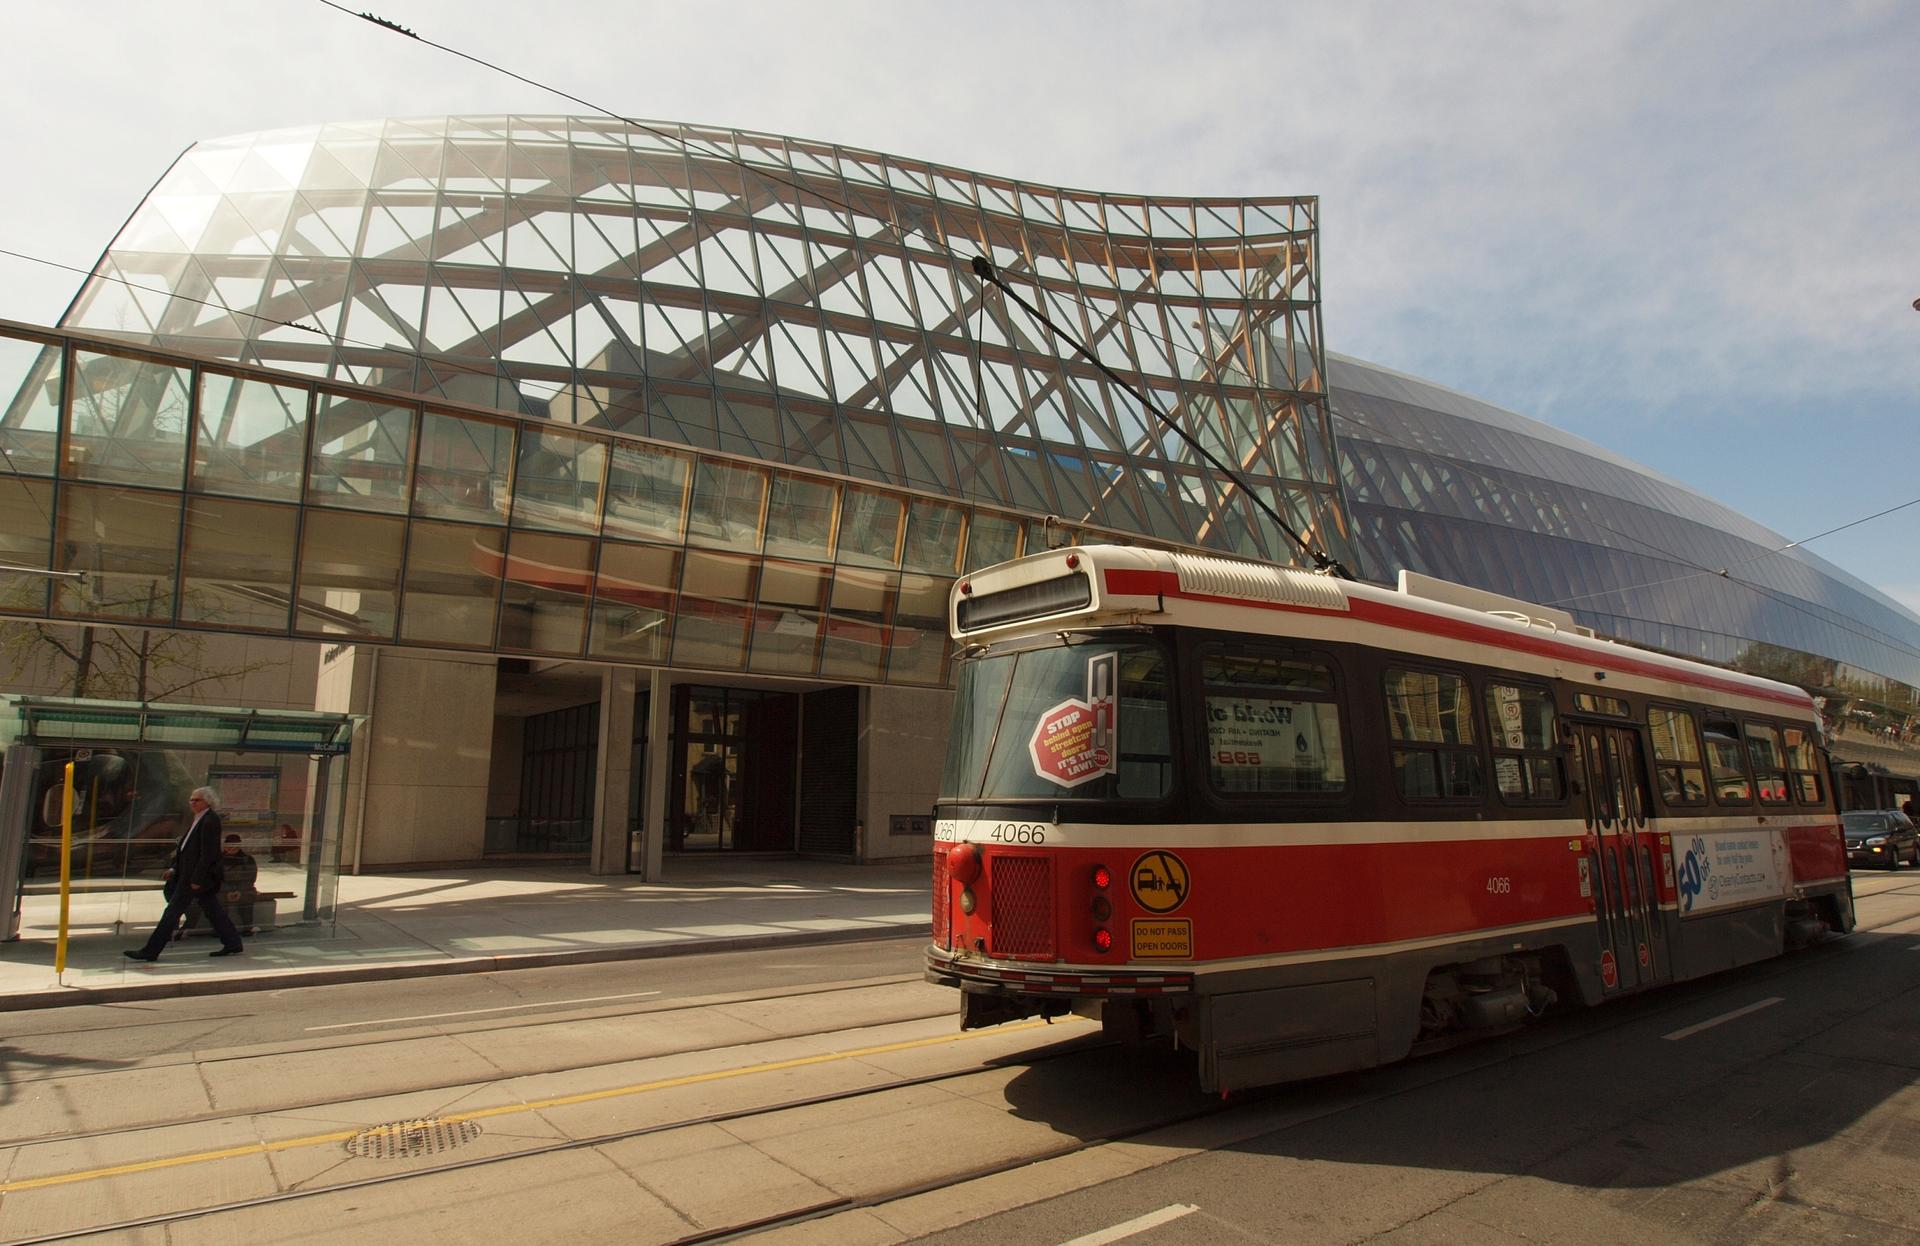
{"x":1725,"y":869}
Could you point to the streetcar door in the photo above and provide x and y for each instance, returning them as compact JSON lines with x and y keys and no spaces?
{"x":1619,"y":862}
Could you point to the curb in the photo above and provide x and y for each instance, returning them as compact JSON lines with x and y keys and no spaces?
{"x":76,"y":996}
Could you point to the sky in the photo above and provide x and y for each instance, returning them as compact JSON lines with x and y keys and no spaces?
{"x":1687,"y":232}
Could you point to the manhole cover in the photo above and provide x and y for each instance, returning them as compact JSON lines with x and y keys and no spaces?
{"x":407,"y":1139}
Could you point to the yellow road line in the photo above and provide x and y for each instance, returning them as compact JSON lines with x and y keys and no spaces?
{"x":639,"y":1088}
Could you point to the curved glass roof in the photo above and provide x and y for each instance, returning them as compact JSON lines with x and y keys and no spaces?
{"x":795,"y":302}
{"x":1445,"y":484}
{"x":809,"y":307}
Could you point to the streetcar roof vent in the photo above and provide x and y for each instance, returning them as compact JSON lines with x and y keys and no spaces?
{"x":1413,"y":584}
{"x":1224,"y":577}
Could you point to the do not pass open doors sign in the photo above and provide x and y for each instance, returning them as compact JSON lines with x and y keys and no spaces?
{"x":1076,"y":741}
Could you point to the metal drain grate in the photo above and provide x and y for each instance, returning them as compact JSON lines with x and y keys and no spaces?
{"x":408,"y":1139}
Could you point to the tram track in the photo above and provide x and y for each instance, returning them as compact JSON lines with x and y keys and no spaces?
{"x":495,"y":1026}
{"x":1073,"y":1049}
{"x":1598,"y":1023}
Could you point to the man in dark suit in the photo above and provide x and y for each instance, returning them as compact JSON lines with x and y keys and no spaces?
{"x":194,"y":878}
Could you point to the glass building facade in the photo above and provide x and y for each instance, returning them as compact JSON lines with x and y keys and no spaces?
{"x":664,"y":395}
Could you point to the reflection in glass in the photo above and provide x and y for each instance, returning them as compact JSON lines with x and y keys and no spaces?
{"x":870,"y":528}
{"x":360,"y":453}
{"x":543,"y":606}
{"x":26,"y":540}
{"x":127,"y":543}
{"x":856,"y":644}
{"x":727,"y":501}
{"x":800,"y":517}
{"x":647,"y":492}
{"x":349,"y":574}
{"x":633,"y":600}
{"x":715,"y":597}
{"x":919,"y":650}
{"x":251,"y":438}
{"x":557,"y":486}
{"x":238,"y":567}
{"x":465,"y":465}
{"x":786,"y":627}
{"x":991,"y":539}
{"x":452,"y":584}
{"x":29,"y":406}
{"x":933,"y":537}
{"x":129,"y":421}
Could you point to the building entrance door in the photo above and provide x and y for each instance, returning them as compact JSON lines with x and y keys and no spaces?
{"x":734,"y":751}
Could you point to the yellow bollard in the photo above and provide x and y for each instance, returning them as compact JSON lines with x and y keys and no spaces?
{"x":66,"y":873}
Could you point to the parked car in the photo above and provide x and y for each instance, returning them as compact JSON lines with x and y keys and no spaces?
{"x":1881,"y":837}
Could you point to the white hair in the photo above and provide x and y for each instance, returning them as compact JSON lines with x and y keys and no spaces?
{"x":209,"y":795}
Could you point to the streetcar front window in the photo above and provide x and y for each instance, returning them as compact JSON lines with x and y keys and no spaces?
{"x":1083,"y":721}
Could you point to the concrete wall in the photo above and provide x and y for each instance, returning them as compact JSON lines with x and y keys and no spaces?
{"x":417,"y":786}
{"x":903,"y":746}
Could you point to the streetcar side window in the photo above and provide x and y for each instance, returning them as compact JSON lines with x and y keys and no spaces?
{"x":1520,"y":725}
{"x":1727,"y":763}
{"x":1677,"y":757}
{"x":1769,"y":763}
{"x":1435,"y":753}
{"x":1273,"y":724}
{"x":1804,"y":764}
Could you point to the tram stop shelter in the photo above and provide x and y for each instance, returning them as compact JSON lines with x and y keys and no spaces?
{"x":135,"y":765}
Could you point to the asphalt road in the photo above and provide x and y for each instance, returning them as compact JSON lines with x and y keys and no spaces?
{"x":1779,"y":1103}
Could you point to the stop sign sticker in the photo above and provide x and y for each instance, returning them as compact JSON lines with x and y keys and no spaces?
{"x":1073,"y":741}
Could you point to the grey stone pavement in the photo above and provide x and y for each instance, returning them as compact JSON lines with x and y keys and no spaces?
{"x":459,"y":920}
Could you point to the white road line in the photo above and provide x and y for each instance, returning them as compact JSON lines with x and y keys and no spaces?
{"x":1724,"y":1017}
{"x":1139,"y":1224}
{"x":474,"y":1012}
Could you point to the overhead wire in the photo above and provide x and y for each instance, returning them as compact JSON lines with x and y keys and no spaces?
{"x":980,"y":265}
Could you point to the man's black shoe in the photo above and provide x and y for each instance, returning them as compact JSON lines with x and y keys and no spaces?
{"x":227,"y":951}
{"x":139,"y":955}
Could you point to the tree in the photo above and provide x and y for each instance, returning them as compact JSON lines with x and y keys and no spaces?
{"x":134,"y":664}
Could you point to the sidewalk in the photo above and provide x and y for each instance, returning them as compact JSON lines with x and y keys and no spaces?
{"x":473,"y":920}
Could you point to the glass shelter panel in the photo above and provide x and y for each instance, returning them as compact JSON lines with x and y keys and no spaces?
{"x":465,"y":468}
{"x":558,"y":484}
{"x":543,"y":605}
{"x":128,"y":543}
{"x":26,"y":540}
{"x":857,"y":623}
{"x":633,"y":601}
{"x":360,"y":454}
{"x":30,"y":415}
{"x":800,"y":517}
{"x":238,"y":567}
{"x":452,"y":585}
{"x":251,"y":438}
{"x":786,"y":627}
{"x":129,"y":420}
{"x":350,"y":574}
{"x":728,"y":499}
{"x":716,"y":596}
{"x":647,"y":492}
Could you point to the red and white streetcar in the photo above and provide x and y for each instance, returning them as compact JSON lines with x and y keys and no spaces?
{"x":1302,"y":825}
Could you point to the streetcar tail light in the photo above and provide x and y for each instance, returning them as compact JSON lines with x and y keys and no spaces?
{"x":1101,"y":908}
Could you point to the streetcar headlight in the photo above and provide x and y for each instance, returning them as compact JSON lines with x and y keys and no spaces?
{"x":967,"y":902}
